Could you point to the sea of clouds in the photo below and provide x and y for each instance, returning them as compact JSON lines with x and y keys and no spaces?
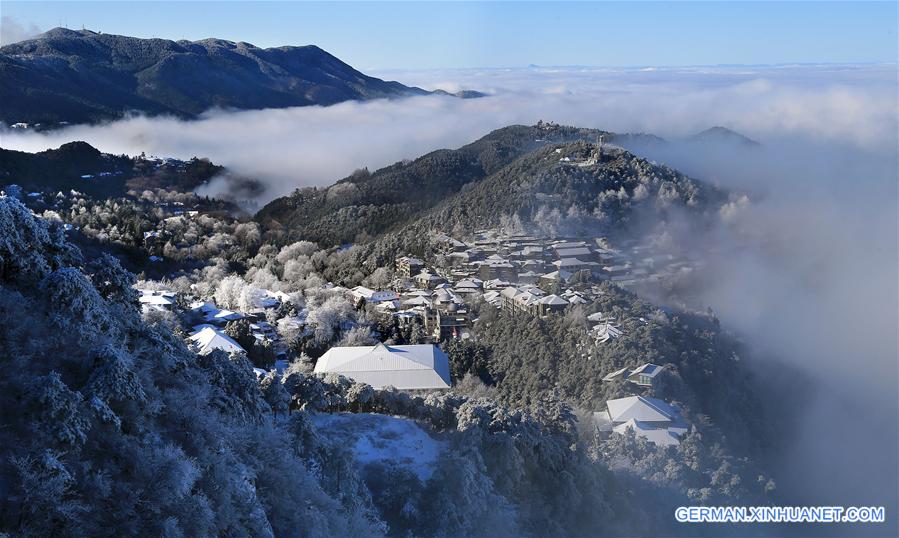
{"x":303,"y":146}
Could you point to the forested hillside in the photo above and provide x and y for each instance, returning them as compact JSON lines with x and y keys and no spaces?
{"x":79,"y":166}
{"x":546,"y":192}
{"x":368,"y":204}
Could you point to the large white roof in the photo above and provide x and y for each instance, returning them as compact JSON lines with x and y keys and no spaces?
{"x":641,"y":408}
{"x":422,"y":366}
{"x":210,"y":339}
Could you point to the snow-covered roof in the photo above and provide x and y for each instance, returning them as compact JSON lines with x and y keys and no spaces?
{"x":203,"y":306}
{"x":490,"y":296}
{"x":553,"y":300}
{"x":210,"y":339}
{"x":659,"y":436}
{"x":571,"y":262}
{"x":558,"y":275}
{"x":417,"y":301}
{"x":573,"y":252}
{"x":641,"y":408}
{"x":227,"y":315}
{"x":374,"y":296}
{"x":153,"y":299}
{"x":422,"y":366}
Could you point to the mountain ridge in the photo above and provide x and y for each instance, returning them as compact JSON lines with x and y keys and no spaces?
{"x":371,"y":203}
{"x":81,"y":76}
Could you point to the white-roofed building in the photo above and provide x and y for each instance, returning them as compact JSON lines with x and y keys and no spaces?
{"x":414,"y":367}
{"x":361,"y":294}
{"x":551,"y":303}
{"x":153,"y":299}
{"x":428,"y":280}
{"x":156,"y":300}
{"x":210,"y":339}
{"x":224,"y":316}
{"x":656,"y":420}
{"x":417,"y":300}
{"x":574,"y":265}
{"x":605,"y":331}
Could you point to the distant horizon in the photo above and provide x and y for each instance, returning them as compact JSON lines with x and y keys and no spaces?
{"x":471,"y":35}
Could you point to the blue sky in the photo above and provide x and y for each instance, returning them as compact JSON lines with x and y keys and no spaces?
{"x":415,"y":35}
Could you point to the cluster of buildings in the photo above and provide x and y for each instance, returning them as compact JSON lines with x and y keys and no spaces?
{"x":520,"y":273}
{"x":440,"y":306}
{"x":208,"y":321}
{"x":554,"y":262}
{"x":409,"y":367}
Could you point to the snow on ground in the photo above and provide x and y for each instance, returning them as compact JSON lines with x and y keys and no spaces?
{"x":383,"y":438}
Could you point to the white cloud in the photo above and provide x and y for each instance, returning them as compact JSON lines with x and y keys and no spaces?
{"x":11,"y":31}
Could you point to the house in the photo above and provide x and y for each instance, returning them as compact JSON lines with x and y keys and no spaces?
{"x":417,"y":300}
{"x":428,"y":280}
{"x":532,"y":300}
{"x":528,"y":277}
{"x":554,"y":278}
{"x":210,"y":339}
{"x":452,"y":322}
{"x":598,"y":317}
{"x":655,"y":420}
{"x":520,"y":299}
{"x":493,"y":297}
{"x":154,"y":300}
{"x":583,"y":253}
{"x":573,"y":265}
{"x":550,"y":304}
{"x":603,"y":332}
{"x":414,"y":367}
{"x":361,"y":294}
{"x":449,"y":244}
{"x":645,"y":375}
{"x":574,"y":297}
{"x":263,"y":330}
{"x":409,"y":267}
{"x":468,"y":286}
{"x":496,"y":267}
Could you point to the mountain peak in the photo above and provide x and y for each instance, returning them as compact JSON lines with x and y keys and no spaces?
{"x":723,"y":134}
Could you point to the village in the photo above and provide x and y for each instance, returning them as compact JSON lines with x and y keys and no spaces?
{"x":517,"y":274}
